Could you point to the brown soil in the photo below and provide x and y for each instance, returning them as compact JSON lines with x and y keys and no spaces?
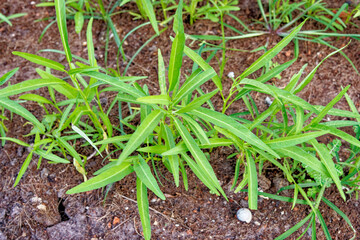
{"x":38,"y":207}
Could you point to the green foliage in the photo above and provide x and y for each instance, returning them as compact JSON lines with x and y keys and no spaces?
{"x":175,"y":126}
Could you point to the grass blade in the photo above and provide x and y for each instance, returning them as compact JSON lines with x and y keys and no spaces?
{"x":192,"y":83}
{"x":61,"y":21}
{"x":173,"y":159}
{"x":289,"y":141}
{"x":141,"y":133}
{"x":161,"y":73}
{"x":326,"y":159}
{"x":149,"y":10}
{"x":82,"y":134}
{"x":41,"y":61}
{"x":203,"y":64}
{"x":143,"y":206}
{"x":302,"y":156}
{"x":7,"y":76}
{"x":14,"y":107}
{"x":271,"y":53}
{"x":236,"y":128}
{"x":198,"y":155}
{"x":143,"y":172}
{"x":114,"y":174}
{"x":252,"y":181}
{"x":294,"y":228}
{"x":23,"y":168}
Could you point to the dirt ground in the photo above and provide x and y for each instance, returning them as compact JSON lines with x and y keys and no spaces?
{"x":38,"y":207}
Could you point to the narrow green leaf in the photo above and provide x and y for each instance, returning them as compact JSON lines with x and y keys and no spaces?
{"x":28,"y":86}
{"x":347,"y":137}
{"x":61,"y":21}
{"x":149,"y":10}
{"x":35,"y":98}
{"x":310,"y":76}
{"x":155,"y":99}
{"x":161,"y":73}
{"x":326,"y":159}
{"x":143,"y":172}
{"x":41,"y":61}
{"x":302,"y":156}
{"x":343,"y":215}
{"x":203,"y":64}
{"x":83,"y":135}
{"x":323,"y":225}
{"x":14,"y":107}
{"x":141,"y":133}
{"x":294,"y":228}
{"x":293,"y":140}
{"x":252,"y":181}
{"x":114,"y":174}
{"x":173,"y":159}
{"x":71,"y":150}
{"x":114,"y":139}
{"x":189,"y":86}
{"x":260,"y":62}
{"x":198,"y":155}
{"x":51,"y":157}
{"x":236,"y":128}
{"x":7,"y":76}
{"x":23,"y":168}
{"x":175,"y":63}
{"x":198,"y":102}
{"x":116,"y":82}
{"x":90,"y":44}
{"x":200,"y":173}
{"x":329,"y":106}
{"x":143,"y":207}
{"x":15,"y":140}
{"x":5,"y":19}
{"x":79,"y":21}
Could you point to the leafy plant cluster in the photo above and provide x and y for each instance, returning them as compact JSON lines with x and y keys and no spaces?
{"x":180,"y":122}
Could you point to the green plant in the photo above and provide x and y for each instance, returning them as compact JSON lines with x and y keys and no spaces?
{"x":175,"y":123}
{"x":6,"y":19}
{"x":282,"y":18}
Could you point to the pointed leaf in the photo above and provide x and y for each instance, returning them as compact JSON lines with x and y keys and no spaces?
{"x":143,"y":207}
{"x":41,"y":61}
{"x":233,"y":126}
{"x":143,"y":172}
{"x":114,"y":174}
{"x":175,"y":63}
{"x":141,"y":133}
{"x":198,"y":155}
{"x":14,"y":107}
{"x":203,"y":64}
{"x":61,"y":21}
{"x":326,"y":159}
{"x":117,"y":82}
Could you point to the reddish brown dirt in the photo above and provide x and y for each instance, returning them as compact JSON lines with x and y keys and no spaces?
{"x":193,"y":214}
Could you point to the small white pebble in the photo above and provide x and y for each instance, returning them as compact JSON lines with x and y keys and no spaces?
{"x":231,"y":75}
{"x":32,"y":2}
{"x":244,"y":215}
{"x":176,"y":225}
{"x":268,"y":101}
{"x":257,"y":223}
{"x":126,"y":208}
{"x":282,"y":213}
{"x":41,"y":207}
{"x":84,"y":44}
{"x":153,"y":200}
